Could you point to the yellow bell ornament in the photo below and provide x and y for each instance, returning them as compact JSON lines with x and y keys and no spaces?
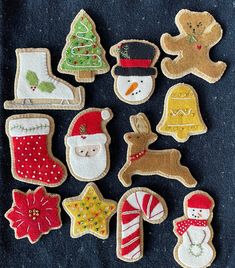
{"x":181,"y":116}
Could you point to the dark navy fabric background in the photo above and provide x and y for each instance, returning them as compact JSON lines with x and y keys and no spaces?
{"x":210,"y":157}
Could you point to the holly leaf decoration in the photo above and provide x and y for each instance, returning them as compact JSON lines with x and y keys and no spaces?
{"x":32,"y":78}
{"x":46,"y":87}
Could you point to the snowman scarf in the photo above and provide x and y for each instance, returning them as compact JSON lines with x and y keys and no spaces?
{"x":182,"y":226}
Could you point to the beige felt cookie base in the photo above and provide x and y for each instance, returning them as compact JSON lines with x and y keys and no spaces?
{"x":83,"y":76}
{"x":46,"y":103}
{"x":119,"y":214}
{"x":104,"y":129}
{"x":141,"y":160}
{"x":90,"y":186}
{"x":49,"y":149}
{"x":42,"y":234}
{"x":192,"y":47}
{"x":113,"y":52}
{"x":181,"y":101}
{"x":179,"y":242}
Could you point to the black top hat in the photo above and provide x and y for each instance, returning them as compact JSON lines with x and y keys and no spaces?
{"x":135,"y":58}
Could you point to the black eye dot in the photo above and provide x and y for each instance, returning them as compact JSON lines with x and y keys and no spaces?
{"x":190,"y":26}
{"x":128,"y":81}
{"x":193,"y":209}
{"x":141,"y":81}
{"x":200,"y":210}
{"x":81,"y":151}
{"x":93,"y":150}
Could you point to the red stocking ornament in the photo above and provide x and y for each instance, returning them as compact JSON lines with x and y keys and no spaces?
{"x":30,"y":142}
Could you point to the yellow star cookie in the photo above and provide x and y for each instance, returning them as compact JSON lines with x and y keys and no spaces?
{"x":90,"y":213}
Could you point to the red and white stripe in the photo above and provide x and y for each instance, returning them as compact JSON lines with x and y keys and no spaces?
{"x":136,"y":207}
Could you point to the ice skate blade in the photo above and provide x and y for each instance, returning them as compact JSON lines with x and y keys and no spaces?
{"x":13,"y":105}
{"x":17,"y":104}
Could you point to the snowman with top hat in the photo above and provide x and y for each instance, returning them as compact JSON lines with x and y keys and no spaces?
{"x":194,"y":248}
{"x":134,"y":74}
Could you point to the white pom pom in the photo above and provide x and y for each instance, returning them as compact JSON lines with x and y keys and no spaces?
{"x":105,"y":114}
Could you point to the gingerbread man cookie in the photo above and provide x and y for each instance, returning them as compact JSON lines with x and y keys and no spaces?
{"x":199,"y":32}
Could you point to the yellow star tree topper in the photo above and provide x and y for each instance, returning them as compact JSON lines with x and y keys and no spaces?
{"x":90,"y":213}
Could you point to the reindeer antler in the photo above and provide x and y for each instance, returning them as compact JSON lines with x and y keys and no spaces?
{"x":140,"y":123}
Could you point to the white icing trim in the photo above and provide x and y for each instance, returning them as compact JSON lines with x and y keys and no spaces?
{"x":29,"y":126}
{"x":105,"y":114}
{"x":82,"y":140}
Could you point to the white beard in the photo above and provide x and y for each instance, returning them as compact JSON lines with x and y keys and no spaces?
{"x":88,"y":168}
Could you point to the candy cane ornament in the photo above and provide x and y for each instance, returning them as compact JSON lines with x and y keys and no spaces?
{"x":136,"y":205}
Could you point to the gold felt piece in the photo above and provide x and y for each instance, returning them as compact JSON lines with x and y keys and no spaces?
{"x":181,"y":116}
{"x":199,"y":32}
{"x":90,"y":212}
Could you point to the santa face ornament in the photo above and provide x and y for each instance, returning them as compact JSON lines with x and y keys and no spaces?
{"x":194,"y":232}
{"x":87,"y":144}
{"x":134,"y":74}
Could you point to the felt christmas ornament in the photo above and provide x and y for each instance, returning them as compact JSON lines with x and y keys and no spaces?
{"x":134,"y":74}
{"x":34,"y":213}
{"x":141,"y":160}
{"x":32,"y":160}
{"x":83,"y":56}
{"x":90,"y":213}
{"x":199,"y":32}
{"x":181,"y":116}
{"x":87,"y":144}
{"x":136,"y":205}
{"x":37,"y":88}
{"x":194,"y":232}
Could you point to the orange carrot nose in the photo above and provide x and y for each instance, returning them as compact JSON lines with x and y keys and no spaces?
{"x":131,"y":88}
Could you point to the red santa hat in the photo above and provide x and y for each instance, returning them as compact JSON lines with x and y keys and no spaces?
{"x":87,"y":128}
{"x":200,"y":201}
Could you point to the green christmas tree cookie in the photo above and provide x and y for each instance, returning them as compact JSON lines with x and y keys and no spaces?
{"x":83,"y":56}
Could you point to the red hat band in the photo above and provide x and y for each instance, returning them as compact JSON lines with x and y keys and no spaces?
{"x":135,"y":63}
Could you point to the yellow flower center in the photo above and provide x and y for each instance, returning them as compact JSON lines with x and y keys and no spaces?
{"x":34,"y":213}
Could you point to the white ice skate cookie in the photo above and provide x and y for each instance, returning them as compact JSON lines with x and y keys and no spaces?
{"x":194,"y":248}
{"x":37,"y":88}
{"x":87,"y":144}
{"x":134,"y":74}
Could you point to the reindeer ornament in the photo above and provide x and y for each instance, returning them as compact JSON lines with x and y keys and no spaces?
{"x":143,"y":161}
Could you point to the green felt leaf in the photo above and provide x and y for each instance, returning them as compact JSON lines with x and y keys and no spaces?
{"x":46,"y":87}
{"x":32,"y":78}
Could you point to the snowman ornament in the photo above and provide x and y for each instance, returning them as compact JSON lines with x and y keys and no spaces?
{"x":134,"y":74}
{"x":194,"y":248}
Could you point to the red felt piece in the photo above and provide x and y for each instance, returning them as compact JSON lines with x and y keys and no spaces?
{"x":34,"y":213}
{"x":200,"y":201}
{"x":32,"y":161}
{"x":88,"y":123}
{"x":182,"y":226}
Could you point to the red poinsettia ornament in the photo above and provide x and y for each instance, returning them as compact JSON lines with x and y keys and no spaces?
{"x":34,"y":213}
